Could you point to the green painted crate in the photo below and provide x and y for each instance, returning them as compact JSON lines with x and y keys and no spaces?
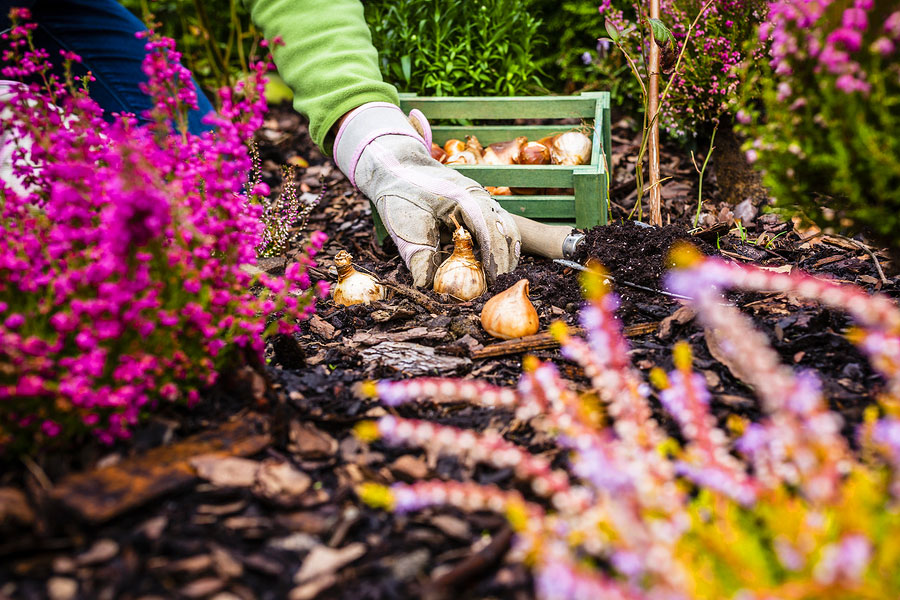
{"x":586,"y":208}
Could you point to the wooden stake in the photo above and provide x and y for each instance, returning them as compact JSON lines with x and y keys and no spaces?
{"x":653,"y":110}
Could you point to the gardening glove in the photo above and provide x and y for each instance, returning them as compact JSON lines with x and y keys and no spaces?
{"x":389,"y":160}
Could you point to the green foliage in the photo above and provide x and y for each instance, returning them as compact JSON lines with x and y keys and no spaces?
{"x":214,"y":36}
{"x":575,"y":61}
{"x":823,"y":128}
{"x":458,"y":48}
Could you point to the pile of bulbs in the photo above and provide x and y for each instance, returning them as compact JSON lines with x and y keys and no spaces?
{"x":508,"y":315}
{"x":569,"y":148}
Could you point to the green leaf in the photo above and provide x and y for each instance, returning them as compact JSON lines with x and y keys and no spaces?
{"x":662,"y":33}
{"x":612,"y":31}
{"x":406,"y":65}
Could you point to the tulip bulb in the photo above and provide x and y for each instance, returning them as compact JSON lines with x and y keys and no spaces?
{"x":504,"y":153}
{"x":461,"y":275}
{"x":510,"y":314}
{"x":534,"y":153}
{"x":461,"y":158}
{"x":352,"y":286}
{"x":474,"y":146}
{"x":453,"y":146}
{"x":498,"y":191}
{"x":437,"y":153}
{"x":571,"y":148}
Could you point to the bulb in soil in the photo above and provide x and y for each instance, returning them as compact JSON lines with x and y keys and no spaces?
{"x":510,"y":314}
{"x":461,"y":275}
{"x":352,"y":286}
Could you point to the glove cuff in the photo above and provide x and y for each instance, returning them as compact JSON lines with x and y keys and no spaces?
{"x":367,"y":123}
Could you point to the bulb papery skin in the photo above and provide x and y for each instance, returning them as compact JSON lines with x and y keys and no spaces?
{"x":454,"y":146}
{"x":352,"y":286}
{"x":461,"y":275}
{"x":510,"y":314}
{"x":437,"y":153}
{"x":461,"y":158}
{"x":474,"y":146}
{"x":570,"y":148}
{"x":499,"y":191}
{"x":504,"y":153}
{"x":534,"y":153}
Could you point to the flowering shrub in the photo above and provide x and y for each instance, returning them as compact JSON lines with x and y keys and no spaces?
{"x":786,"y":511}
{"x":832,"y":82}
{"x":707,"y":83}
{"x":124,"y":251}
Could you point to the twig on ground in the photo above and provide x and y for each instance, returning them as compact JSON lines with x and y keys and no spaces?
{"x":447,"y":585}
{"x":865,"y":248}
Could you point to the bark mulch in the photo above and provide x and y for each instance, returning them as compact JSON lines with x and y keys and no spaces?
{"x":250,"y":495}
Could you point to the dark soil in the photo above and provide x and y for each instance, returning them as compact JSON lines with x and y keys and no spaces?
{"x":224,"y":542}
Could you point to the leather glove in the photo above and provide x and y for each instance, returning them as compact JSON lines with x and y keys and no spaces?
{"x":389,"y":160}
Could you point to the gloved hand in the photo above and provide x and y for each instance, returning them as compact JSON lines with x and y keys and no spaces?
{"x":390,"y":162}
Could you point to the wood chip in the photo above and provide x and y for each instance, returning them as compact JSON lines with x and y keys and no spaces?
{"x":15,"y":510}
{"x":682,"y":316}
{"x":412,"y":359}
{"x":737,"y":368}
{"x":201,"y":588}
{"x":102,"y":551}
{"x":61,"y":588}
{"x":281,"y":482}
{"x":310,"y":442}
{"x":321,"y":327}
{"x":99,"y":495}
{"x":409,"y":468}
{"x":226,"y":471}
{"x":324,"y":561}
{"x":364,"y":338}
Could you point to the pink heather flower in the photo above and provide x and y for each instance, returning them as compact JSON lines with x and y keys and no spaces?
{"x":317,"y":239}
{"x":743,"y":117}
{"x":851,"y":39}
{"x":50,"y":428}
{"x":323,"y":288}
{"x":752,"y":156}
{"x":14,"y":321}
{"x":850,"y":84}
{"x":855,"y":18}
{"x":882,"y":46}
{"x":892,"y":25}
{"x":784,"y":91}
{"x":261,"y":189}
{"x":864,"y":4}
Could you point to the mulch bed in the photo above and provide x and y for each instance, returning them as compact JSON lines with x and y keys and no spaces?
{"x":134,"y":521}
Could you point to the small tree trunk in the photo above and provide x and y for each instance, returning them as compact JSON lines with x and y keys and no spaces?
{"x":652,"y":110}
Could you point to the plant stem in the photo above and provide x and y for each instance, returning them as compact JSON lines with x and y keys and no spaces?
{"x":653,"y":108}
{"x":702,"y":171}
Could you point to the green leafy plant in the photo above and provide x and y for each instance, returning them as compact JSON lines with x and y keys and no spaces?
{"x":821,"y":113}
{"x":439,"y":48}
{"x":215,"y":37}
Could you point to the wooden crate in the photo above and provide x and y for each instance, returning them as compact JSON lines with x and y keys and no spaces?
{"x":587,"y":207}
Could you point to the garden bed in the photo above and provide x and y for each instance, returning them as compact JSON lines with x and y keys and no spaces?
{"x":307,"y":535}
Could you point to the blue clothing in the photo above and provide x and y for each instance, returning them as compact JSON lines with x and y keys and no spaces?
{"x":102,"y":33}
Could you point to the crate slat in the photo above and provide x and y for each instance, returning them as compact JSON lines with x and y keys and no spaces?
{"x":539,"y":207}
{"x":511,"y":107}
{"x":551,"y":176}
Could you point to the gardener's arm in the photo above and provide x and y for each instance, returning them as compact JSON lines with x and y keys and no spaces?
{"x":326,"y":57}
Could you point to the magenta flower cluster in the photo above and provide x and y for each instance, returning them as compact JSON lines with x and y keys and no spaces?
{"x":806,"y":33}
{"x":127,"y":251}
{"x":707,"y":82}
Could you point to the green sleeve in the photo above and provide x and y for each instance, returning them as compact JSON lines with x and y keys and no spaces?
{"x":327,"y":58}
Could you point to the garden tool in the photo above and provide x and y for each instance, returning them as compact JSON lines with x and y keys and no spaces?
{"x":549,"y":241}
